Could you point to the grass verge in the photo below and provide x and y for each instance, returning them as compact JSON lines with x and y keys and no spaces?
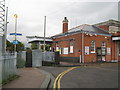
{"x":11,"y":78}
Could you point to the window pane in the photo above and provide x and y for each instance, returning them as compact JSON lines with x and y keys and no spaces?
{"x":92,"y":45}
{"x":71,"y":46}
{"x":103,"y":44}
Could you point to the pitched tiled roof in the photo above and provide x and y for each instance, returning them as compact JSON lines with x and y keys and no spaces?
{"x":85,"y":28}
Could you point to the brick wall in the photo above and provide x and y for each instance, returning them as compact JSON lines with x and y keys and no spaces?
{"x":65,"y":42}
{"x":114,"y":49}
{"x":105,"y":27}
{"x":98,"y":42}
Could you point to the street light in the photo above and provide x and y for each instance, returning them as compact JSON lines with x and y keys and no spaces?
{"x":15,"y":16}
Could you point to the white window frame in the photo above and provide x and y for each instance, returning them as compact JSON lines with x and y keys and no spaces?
{"x":108,"y":51}
{"x":71,"y":46}
{"x":65,"y":50}
{"x":57,"y":47}
{"x":93,"y":51}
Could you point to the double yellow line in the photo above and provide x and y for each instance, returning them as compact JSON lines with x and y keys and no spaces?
{"x":57,"y":80}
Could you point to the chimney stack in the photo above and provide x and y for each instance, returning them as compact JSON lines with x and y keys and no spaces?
{"x":65,"y":25}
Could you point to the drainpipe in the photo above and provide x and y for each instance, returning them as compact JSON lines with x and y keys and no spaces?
{"x":82,"y":47}
{"x":117,"y":50}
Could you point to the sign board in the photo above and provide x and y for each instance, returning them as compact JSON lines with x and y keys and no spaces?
{"x":18,"y":34}
{"x":87,"y":50}
{"x":15,"y":41}
{"x":115,"y":38}
{"x":71,"y":49}
{"x":109,"y":51}
{"x":65,"y":50}
{"x":57,"y":48}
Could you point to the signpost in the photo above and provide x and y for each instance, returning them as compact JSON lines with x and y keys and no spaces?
{"x":15,"y":42}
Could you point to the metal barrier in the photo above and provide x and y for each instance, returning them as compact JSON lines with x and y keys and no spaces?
{"x":21,"y":59}
{"x":7,"y":66}
{"x":38,"y":57}
{"x":48,"y":56}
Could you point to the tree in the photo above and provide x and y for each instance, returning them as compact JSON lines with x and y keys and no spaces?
{"x":20,"y":46}
{"x":34,"y":46}
{"x":10,"y":46}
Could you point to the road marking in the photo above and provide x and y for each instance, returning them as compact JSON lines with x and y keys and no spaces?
{"x":57,"y":80}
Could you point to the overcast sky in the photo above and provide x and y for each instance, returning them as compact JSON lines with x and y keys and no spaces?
{"x":31,"y":15}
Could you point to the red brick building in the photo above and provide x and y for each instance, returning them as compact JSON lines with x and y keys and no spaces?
{"x":84,"y":43}
{"x":113,"y":27}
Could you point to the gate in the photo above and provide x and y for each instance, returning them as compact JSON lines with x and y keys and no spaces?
{"x":37,"y":58}
{"x":29,"y":59}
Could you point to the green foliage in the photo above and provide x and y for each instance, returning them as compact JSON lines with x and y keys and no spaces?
{"x":20,"y":46}
{"x":34,"y":46}
{"x":47,"y":47}
{"x":20,"y":63}
{"x":11,"y":78}
{"x":10,"y":46}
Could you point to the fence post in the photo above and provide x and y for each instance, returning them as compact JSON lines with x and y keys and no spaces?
{"x":57,"y":57}
{"x":0,"y":62}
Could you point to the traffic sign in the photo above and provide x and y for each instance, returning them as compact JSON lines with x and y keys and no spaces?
{"x":15,"y":41}
{"x":19,"y":34}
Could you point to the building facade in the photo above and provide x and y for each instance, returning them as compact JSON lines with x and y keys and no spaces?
{"x":113,"y":27}
{"x":83,"y":44}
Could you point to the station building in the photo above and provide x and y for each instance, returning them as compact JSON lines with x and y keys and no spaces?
{"x":87,"y":43}
{"x":113,"y":27}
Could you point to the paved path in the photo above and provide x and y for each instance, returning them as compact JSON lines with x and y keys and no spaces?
{"x":29,"y":78}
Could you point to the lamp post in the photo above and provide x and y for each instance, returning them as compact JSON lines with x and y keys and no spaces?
{"x":15,"y":16}
{"x":44,"y":31}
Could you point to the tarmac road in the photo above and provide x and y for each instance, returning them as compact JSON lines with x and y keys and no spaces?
{"x":87,"y":76}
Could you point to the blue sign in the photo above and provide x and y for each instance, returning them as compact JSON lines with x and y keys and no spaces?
{"x":15,"y":41}
{"x":19,"y":34}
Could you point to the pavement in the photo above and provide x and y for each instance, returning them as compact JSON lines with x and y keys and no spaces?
{"x":30,"y":78}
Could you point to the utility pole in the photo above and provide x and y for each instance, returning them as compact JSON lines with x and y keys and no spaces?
{"x":44,"y":31}
{"x":15,"y":15}
{"x":6,"y":27}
